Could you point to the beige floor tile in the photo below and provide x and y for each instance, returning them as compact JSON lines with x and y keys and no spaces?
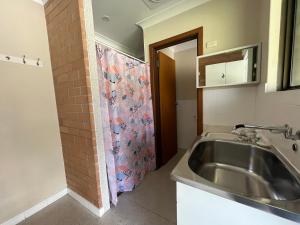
{"x":65,"y":211}
{"x":157,"y":193}
{"x":129,"y":213}
{"x":151,"y":203}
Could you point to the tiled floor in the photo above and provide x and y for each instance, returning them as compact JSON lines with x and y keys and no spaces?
{"x":152,"y":203}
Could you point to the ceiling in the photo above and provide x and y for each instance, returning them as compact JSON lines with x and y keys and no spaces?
{"x":125,"y":14}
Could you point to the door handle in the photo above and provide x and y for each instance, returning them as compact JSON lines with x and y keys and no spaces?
{"x":223,"y":75}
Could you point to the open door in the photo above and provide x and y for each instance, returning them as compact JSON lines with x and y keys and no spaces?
{"x":167,"y":99}
{"x":154,"y":48}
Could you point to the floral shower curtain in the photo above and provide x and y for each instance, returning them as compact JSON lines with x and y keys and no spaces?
{"x":127,"y":119}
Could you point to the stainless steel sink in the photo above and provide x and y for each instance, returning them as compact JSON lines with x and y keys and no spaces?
{"x":246,"y":173}
{"x":243,"y":169}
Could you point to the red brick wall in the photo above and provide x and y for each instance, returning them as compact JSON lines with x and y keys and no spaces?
{"x":69,"y":58}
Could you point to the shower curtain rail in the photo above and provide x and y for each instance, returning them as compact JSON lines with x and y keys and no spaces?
{"x":117,"y":50}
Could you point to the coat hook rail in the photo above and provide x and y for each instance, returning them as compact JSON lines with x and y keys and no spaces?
{"x":21,"y":60}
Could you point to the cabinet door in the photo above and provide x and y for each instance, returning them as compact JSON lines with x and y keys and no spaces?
{"x":198,"y":207}
{"x":236,"y":72}
{"x":215,"y":74}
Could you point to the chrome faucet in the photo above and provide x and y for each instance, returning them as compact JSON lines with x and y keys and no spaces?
{"x":286,"y":130}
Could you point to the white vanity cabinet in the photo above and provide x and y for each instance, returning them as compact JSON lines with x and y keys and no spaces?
{"x":198,"y":207}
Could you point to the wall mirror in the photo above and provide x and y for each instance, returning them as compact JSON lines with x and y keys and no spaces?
{"x":239,"y":66}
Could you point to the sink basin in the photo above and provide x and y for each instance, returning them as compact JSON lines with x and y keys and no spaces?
{"x":244,"y":169}
{"x":246,"y":173}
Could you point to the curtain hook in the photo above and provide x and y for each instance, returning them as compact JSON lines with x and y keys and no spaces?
{"x":38,"y":62}
{"x":24,"y":61}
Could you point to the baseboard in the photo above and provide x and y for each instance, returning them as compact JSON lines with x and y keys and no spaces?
{"x":36,"y":208}
{"x":96,"y":211}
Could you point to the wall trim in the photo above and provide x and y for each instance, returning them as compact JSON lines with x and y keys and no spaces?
{"x":90,"y":38}
{"x":41,"y":2}
{"x":113,"y":44}
{"x":36,"y":208}
{"x":96,"y":211}
{"x":43,"y":204}
{"x":170,"y":12}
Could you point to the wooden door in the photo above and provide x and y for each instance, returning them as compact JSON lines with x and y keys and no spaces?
{"x":168,"y":119}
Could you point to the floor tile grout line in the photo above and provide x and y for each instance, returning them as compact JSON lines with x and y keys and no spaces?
{"x":147,"y":209}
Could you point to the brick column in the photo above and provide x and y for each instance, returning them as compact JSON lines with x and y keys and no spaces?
{"x":71,"y":75}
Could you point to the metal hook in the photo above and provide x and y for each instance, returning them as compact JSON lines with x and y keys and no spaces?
{"x":7,"y":57}
{"x":24,"y":61}
{"x":38,"y":62}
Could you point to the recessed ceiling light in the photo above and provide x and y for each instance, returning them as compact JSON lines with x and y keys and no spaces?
{"x":106,"y":18}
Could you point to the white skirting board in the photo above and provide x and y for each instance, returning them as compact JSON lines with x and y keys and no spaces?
{"x":38,"y":207}
{"x":29,"y":212}
{"x":98,"y":212}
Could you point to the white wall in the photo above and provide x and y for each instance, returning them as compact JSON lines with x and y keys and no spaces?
{"x":274,"y":40}
{"x":185,"y":74}
{"x":31,"y":162}
{"x":89,"y":26}
{"x":235,"y":23}
{"x":277,"y":107}
{"x":168,"y":52}
{"x":186,"y":123}
{"x":296,"y":69}
{"x":186,"y":97}
{"x":232,"y":23}
{"x":274,"y":29}
{"x":229,"y":106}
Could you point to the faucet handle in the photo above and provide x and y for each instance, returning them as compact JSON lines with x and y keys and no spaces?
{"x":290,"y":135}
{"x":298,"y":134}
{"x":295,"y":137}
{"x":289,"y":130}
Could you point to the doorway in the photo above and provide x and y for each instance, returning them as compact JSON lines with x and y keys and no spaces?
{"x":164,"y":105}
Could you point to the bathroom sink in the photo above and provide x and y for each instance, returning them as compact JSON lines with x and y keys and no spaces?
{"x":246,"y":173}
{"x":243,"y":169}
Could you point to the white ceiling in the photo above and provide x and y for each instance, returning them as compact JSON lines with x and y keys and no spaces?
{"x":125,"y":14}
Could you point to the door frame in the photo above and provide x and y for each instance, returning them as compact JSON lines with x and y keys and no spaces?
{"x":154,"y":76}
